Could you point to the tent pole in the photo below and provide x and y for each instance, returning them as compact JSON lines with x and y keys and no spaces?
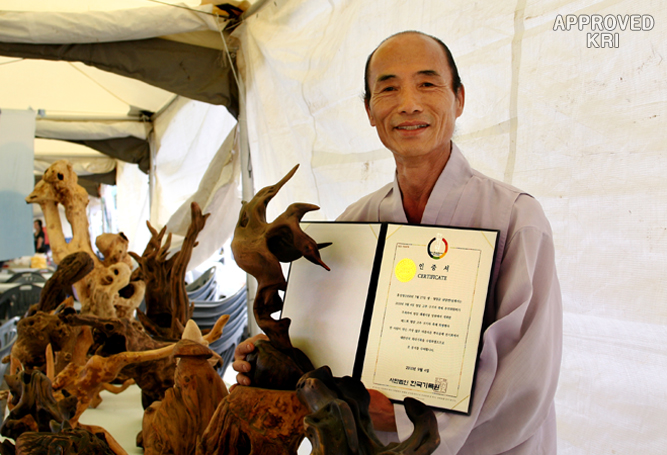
{"x":151,"y":174}
{"x":247,"y":192}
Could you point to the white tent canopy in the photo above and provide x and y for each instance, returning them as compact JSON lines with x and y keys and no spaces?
{"x":577,"y":125}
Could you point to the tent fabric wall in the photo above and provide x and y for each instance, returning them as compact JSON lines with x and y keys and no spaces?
{"x":126,"y":24}
{"x":196,"y":72}
{"x":126,"y":141}
{"x":217,"y":195}
{"x":580,"y":127}
{"x":133,"y":205}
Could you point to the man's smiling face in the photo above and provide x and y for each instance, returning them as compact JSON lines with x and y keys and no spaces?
{"x":412,"y":104}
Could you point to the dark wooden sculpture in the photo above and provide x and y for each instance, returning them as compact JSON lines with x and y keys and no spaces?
{"x":36,"y":406}
{"x":258,"y":248}
{"x":35,"y":333}
{"x":71,"y":269}
{"x":340,"y":424}
{"x":175,"y":424}
{"x":167,"y":306}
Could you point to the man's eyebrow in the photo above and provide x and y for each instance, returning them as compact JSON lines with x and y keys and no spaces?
{"x":385,"y":77}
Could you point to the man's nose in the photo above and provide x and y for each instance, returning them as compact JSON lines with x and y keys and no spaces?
{"x":410,"y":101}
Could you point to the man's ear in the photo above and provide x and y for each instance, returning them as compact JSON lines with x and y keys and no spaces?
{"x":368,"y":113}
{"x":460,"y":100}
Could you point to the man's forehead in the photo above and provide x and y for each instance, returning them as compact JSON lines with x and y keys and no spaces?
{"x":409,"y":52}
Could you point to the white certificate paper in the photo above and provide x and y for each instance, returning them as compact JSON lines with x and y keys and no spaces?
{"x":406,"y":319}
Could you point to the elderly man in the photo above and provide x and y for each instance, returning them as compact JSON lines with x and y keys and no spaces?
{"x":413,"y":97}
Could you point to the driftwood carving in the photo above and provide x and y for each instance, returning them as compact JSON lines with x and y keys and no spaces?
{"x":87,"y":381}
{"x":167,"y":306}
{"x":340,"y":424}
{"x":258,"y":248}
{"x":175,"y":424}
{"x":114,"y":248}
{"x":59,"y":185}
{"x":253,"y":421}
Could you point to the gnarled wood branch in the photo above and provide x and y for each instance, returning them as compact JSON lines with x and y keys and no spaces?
{"x":167,"y":306}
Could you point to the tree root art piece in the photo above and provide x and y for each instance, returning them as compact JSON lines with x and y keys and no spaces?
{"x":175,"y":424}
{"x":258,"y":248}
{"x":167,"y":306}
{"x":252,"y":421}
{"x":59,"y":186}
{"x":340,"y":423}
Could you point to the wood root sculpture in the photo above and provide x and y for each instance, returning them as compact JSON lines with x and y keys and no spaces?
{"x":336,"y":414}
{"x":71,"y":440}
{"x":167,"y":306}
{"x":39,"y":423}
{"x":252,"y":421}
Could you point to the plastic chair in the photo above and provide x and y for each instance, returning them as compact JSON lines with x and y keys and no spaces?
{"x":17,"y":300}
{"x":8,"y":335}
{"x":27,"y":277}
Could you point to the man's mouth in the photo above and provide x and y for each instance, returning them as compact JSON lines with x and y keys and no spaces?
{"x":411,"y":127}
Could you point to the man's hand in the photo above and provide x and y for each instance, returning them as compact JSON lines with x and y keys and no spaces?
{"x":240,"y":365}
{"x":382,"y":412}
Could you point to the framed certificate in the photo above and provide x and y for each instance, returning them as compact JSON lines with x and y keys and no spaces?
{"x":401,"y":309}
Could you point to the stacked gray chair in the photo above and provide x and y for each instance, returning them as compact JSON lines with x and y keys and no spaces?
{"x":207,"y":312}
{"x":203,"y":288}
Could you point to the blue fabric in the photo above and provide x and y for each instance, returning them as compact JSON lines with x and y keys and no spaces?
{"x":17,"y":133}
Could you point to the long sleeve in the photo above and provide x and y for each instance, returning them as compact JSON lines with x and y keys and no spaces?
{"x":513,"y":410}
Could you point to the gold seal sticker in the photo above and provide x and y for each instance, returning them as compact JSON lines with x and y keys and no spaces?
{"x":405,"y":270}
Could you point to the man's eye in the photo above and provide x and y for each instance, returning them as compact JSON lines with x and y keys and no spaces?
{"x":388,"y":89}
{"x":428,"y":84}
